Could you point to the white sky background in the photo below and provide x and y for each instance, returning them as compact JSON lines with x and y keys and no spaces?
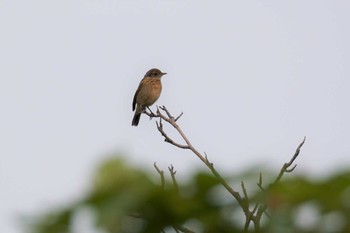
{"x":252,"y":78}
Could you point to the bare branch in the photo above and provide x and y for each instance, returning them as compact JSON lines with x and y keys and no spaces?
{"x":260,"y":182}
{"x":248,"y":219}
{"x":291,"y":169}
{"x":166,"y":111}
{"x":179,"y":116}
{"x":248,"y":214}
{"x":244,"y":190}
{"x":161,"y":173}
{"x":172,"y":173}
{"x":177,"y":228}
{"x":286,"y":166}
{"x":255,"y":208}
{"x":259,"y":208}
{"x":167,"y":138}
{"x":172,"y":121}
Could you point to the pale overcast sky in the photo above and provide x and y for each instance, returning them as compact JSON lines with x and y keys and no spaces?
{"x":252,"y":78}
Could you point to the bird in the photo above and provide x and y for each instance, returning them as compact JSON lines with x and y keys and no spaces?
{"x":147,"y":93}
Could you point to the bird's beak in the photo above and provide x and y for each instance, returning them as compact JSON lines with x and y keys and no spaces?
{"x":164,"y":73}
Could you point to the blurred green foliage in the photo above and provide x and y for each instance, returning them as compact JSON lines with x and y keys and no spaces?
{"x":127,"y":199}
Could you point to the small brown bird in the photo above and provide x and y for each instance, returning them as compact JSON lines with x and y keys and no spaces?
{"x":147,"y":93}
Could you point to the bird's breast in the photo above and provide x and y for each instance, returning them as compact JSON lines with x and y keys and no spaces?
{"x":155,"y":91}
{"x":149,"y":92}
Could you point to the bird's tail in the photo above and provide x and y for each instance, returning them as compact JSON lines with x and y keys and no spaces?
{"x":136,"y":119}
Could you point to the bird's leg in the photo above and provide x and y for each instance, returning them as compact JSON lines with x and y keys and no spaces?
{"x":151,"y":114}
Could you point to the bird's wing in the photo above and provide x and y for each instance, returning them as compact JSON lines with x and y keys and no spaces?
{"x":135,"y":96}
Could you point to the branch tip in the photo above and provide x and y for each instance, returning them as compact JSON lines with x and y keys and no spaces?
{"x":178,"y":116}
{"x":291,"y":169}
{"x":161,"y":173}
{"x":244,"y":190}
{"x":260,"y":179}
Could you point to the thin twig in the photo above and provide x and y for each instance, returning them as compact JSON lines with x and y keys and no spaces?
{"x":285,"y":169}
{"x":161,"y":173}
{"x":249,"y":214}
{"x":177,"y":228}
{"x":244,"y":190}
{"x":255,"y":208}
{"x":167,"y":138}
{"x":286,"y":166}
{"x":179,"y":116}
{"x":260,"y":182}
{"x":166,"y":111}
{"x":172,"y":173}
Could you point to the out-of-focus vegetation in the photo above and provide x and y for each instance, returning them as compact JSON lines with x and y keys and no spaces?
{"x":126,"y":199}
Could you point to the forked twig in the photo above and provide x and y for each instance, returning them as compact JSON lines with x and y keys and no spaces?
{"x":286,"y":166}
{"x":177,"y":227}
{"x":161,"y":173}
{"x":172,"y":173}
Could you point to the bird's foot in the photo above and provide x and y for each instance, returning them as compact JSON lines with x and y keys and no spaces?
{"x":150,"y":113}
